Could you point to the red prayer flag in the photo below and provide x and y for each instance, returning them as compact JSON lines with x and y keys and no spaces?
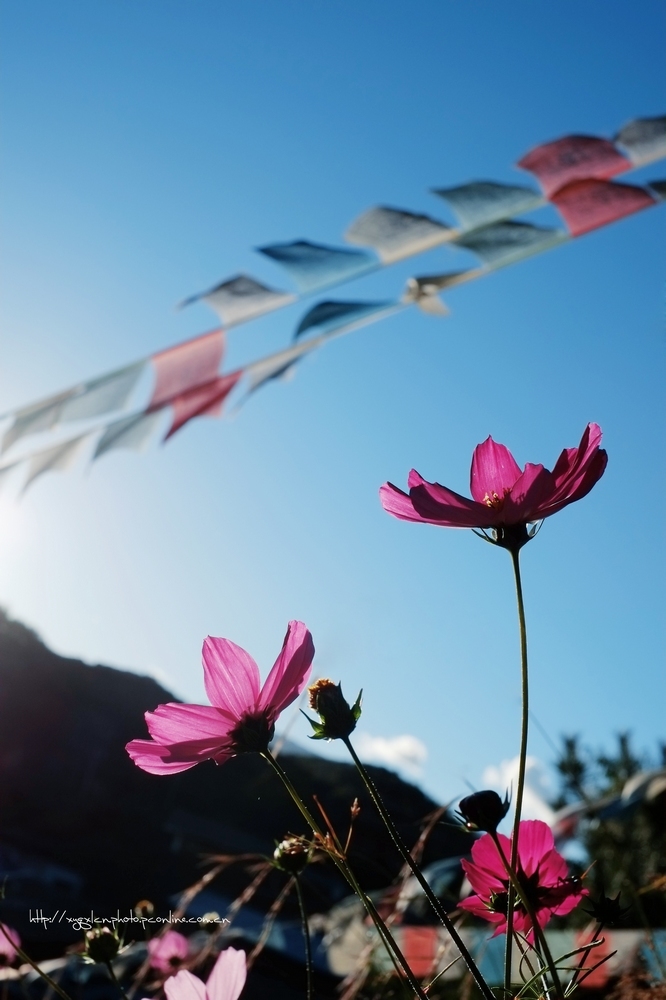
{"x":573,"y":158}
{"x":203,"y":400}
{"x":599,"y":978}
{"x":586,"y":205}
{"x":420,"y":947}
{"x":181,"y":368}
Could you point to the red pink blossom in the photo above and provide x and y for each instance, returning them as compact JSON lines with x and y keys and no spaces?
{"x":168,"y":951}
{"x":225,"y":982}
{"x":503,"y":494}
{"x":9,"y":942}
{"x":241,"y":717}
{"x":542,"y":872}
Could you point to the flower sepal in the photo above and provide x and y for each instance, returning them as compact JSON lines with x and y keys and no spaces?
{"x":607,"y":910}
{"x":511,"y":536}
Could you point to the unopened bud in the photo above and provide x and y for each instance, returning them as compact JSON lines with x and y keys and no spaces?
{"x":144,"y":909}
{"x":211,"y":921}
{"x":292,"y":855}
{"x":102,"y":945}
{"x":483,"y":810}
{"x":337,"y":717}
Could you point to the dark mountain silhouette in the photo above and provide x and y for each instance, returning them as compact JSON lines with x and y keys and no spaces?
{"x":82,"y":827}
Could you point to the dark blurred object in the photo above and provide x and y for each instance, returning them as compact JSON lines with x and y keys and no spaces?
{"x":483,"y":810}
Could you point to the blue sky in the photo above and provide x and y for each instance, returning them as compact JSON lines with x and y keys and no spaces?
{"x":148,"y":146}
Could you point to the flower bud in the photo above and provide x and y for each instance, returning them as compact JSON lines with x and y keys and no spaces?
{"x":144,"y":909}
{"x":337,"y":717}
{"x":292,"y":855}
{"x":483,"y":810}
{"x":211,"y":921}
{"x":102,"y":945}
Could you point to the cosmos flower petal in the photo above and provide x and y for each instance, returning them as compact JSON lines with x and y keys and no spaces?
{"x":535,"y":840}
{"x":167,"y":949}
{"x":156,"y":759}
{"x":531,"y":492}
{"x":9,"y":942}
{"x":416,"y":479}
{"x":577,"y":488}
{"x":577,"y":466}
{"x":502,"y":494}
{"x":430,"y":503}
{"x":494,"y":470}
{"x":522,"y":923}
{"x":290,"y":671}
{"x":176,"y":723}
{"x":184,"y":735}
{"x":568,"y":903}
{"x":231,"y":676}
{"x":573,"y":459}
{"x":486,"y":856}
{"x":564,"y":465}
{"x":442,"y":506}
{"x":483,"y":882}
{"x":552,"y":868}
{"x":477,"y":906}
{"x":184,"y":986}
{"x":227,"y":979}
{"x":397,"y":503}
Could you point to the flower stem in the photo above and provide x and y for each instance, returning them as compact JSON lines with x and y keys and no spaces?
{"x":306,"y":938}
{"x":416,"y":871}
{"x":511,"y":898}
{"x":116,"y":980}
{"x":536,"y":926}
{"x":391,"y":945}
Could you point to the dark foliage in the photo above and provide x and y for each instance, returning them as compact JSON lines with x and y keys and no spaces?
{"x":627,"y":844}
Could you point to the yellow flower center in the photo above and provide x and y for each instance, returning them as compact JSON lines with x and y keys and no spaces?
{"x":494,"y":500}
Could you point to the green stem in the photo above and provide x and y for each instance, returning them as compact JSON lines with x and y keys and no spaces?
{"x":416,"y":871}
{"x":584,"y":957}
{"x":116,"y":980}
{"x":539,"y":934}
{"x":306,"y":938}
{"x":511,"y":898}
{"x":398,"y":959}
{"x":523,"y":952}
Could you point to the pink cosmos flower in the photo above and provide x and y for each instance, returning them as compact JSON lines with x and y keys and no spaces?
{"x":168,"y":951}
{"x":242,"y":716}
{"x":543,"y":874}
{"x":9,"y":942}
{"x":225,"y":982}
{"x":504,"y":495}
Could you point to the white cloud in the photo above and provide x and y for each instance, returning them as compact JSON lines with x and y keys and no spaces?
{"x":404,"y":753}
{"x":538,"y":786}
